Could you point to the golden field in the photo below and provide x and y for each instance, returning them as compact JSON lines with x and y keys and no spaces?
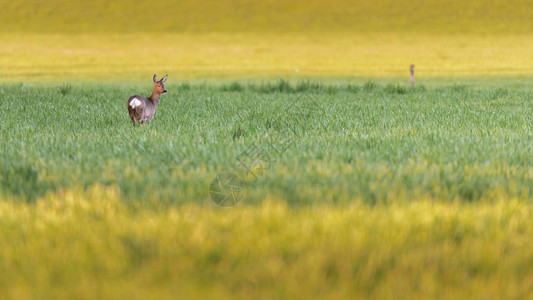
{"x":131,"y":57}
{"x":276,"y":16}
{"x":128,"y":40}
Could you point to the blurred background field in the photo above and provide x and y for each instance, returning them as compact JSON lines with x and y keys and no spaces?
{"x":317,"y":16}
{"x":135,"y":57}
{"x":52,"y":41}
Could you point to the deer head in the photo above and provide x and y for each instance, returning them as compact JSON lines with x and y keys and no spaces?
{"x":159,"y":86}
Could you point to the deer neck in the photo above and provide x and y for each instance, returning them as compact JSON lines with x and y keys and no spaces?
{"x":155,"y":97}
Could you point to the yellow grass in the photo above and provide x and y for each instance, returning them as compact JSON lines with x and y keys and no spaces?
{"x":135,"y":57}
{"x":88,"y":244}
{"x":129,"y":40}
{"x":325,"y":16}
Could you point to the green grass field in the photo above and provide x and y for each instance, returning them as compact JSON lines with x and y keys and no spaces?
{"x":383,"y":192}
{"x":377,"y":143}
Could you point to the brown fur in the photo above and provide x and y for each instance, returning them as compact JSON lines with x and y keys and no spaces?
{"x":146,"y":110}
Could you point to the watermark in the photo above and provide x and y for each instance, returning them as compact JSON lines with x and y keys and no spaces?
{"x":227,"y":188}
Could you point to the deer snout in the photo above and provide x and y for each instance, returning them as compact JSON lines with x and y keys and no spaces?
{"x":164,"y":91}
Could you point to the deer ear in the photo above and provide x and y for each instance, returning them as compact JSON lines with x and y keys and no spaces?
{"x":155,"y":78}
{"x":164,"y":79}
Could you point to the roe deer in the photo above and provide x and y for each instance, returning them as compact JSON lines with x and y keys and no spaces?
{"x":142,"y":109}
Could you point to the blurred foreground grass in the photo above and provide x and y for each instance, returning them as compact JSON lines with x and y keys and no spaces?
{"x":87,"y":243}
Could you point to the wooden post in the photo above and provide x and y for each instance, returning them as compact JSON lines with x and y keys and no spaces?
{"x":412,"y":79}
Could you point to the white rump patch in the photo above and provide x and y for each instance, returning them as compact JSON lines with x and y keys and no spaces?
{"x":135,"y":103}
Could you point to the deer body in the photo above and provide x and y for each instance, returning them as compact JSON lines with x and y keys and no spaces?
{"x":143,"y":109}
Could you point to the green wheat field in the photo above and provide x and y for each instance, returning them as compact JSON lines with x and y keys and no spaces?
{"x":349,"y":183}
